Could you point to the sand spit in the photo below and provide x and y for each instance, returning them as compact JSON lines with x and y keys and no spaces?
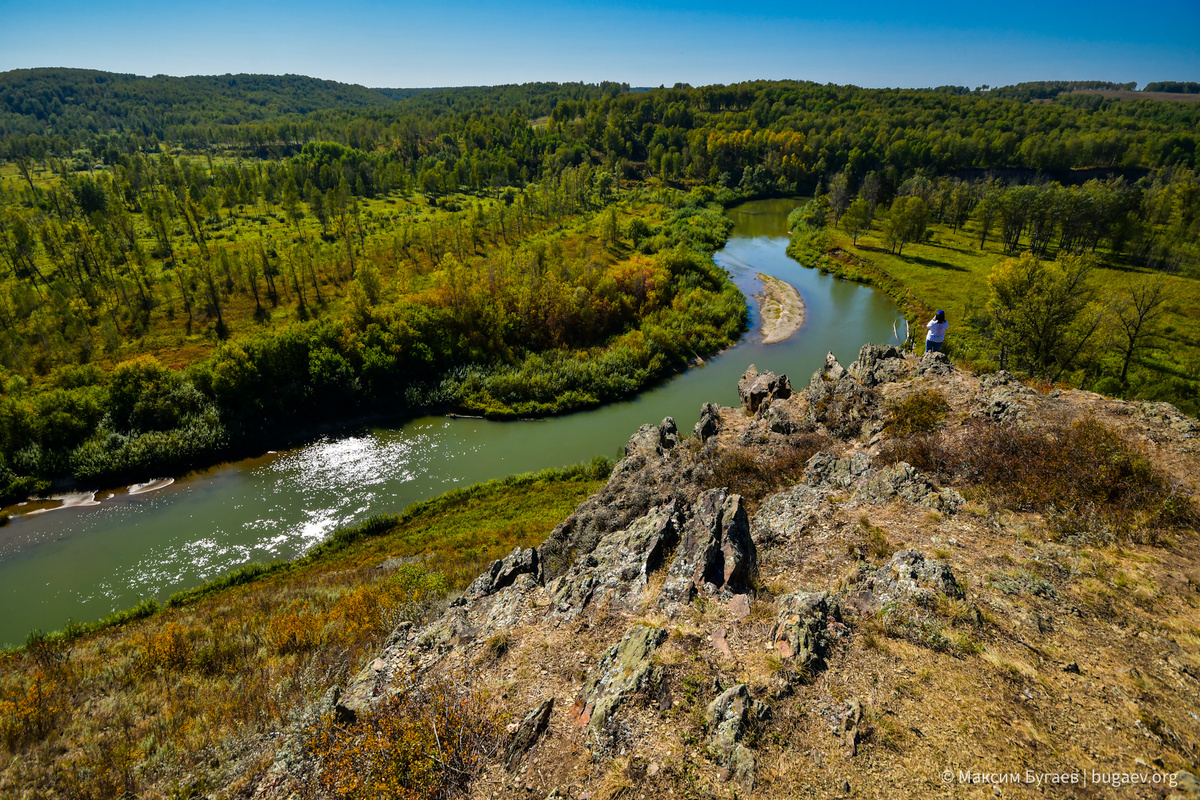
{"x":781,"y":308}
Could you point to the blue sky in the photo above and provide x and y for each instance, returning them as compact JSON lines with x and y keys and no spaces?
{"x":399,"y":44}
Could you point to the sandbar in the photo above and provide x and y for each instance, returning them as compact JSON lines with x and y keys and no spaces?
{"x":781,"y":308}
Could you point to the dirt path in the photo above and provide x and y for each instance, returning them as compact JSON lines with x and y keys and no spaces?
{"x":781,"y":307}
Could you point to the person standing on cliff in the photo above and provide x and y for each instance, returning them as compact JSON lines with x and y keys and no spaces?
{"x":937,"y":332}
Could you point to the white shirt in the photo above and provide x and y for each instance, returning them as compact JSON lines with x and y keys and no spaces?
{"x":937,"y":330}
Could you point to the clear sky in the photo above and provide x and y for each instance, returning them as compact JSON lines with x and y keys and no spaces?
{"x":401,"y":44}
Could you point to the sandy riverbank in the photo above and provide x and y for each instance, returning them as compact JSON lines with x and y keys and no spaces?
{"x":781,"y":308}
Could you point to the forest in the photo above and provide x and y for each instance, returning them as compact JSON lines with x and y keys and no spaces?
{"x":190,"y":267}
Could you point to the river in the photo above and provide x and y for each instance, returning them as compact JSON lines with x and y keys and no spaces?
{"x":81,"y":563}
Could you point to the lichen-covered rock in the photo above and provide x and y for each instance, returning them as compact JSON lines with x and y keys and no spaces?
{"x":528,"y":732}
{"x":825,"y":469}
{"x":728,"y":717}
{"x":1166,"y":414}
{"x":934,"y":364}
{"x":618,"y":568}
{"x":709,"y":424}
{"x":653,"y":439}
{"x":623,"y":670}
{"x":909,"y":575}
{"x":805,"y":631}
{"x":643,"y":480}
{"x":778,"y":420}
{"x":787,"y":515}
{"x":755,"y":387}
{"x":839,"y":401}
{"x":503,"y":573}
{"x":715,"y":551}
{"x":876,"y":365}
{"x":906,"y":481}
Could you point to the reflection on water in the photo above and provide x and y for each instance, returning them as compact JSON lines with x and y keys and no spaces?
{"x":83,"y":562}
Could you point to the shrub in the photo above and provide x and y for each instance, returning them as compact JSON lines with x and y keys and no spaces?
{"x":920,"y":412}
{"x":754,"y":476}
{"x":424,"y":744}
{"x":1083,"y":475}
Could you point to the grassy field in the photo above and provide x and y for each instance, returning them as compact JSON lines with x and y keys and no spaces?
{"x":950,"y":272}
{"x":194,"y":688}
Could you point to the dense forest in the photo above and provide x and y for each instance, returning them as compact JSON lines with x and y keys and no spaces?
{"x":190,"y":265}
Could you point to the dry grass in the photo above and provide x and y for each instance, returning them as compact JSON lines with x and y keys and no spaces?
{"x":180,"y":701}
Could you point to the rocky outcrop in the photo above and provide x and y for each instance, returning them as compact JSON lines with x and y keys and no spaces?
{"x":654,"y":439}
{"x":503,"y":573}
{"x":528,"y":731}
{"x":716,"y":553}
{"x":709,"y":424}
{"x":879,"y":485}
{"x":1005,"y":399}
{"x":934,"y":364}
{"x":651,"y":475}
{"x":728,"y":719}
{"x":910,"y":576}
{"x":777,"y":419}
{"x":754,"y":388}
{"x":624,"y":669}
{"x":904,"y":480}
{"x":618,"y":569}
{"x":839,"y":402}
{"x":805,"y":629}
{"x":876,"y":365}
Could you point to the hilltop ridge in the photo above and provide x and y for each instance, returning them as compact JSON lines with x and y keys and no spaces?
{"x":899,"y":572}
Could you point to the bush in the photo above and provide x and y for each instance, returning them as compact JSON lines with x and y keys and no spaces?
{"x":755,"y":476}
{"x":1083,"y":474}
{"x":424,"y":744}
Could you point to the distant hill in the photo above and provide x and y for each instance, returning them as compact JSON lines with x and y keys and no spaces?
{"x":62,"y":102}
{"x":59,"y":100}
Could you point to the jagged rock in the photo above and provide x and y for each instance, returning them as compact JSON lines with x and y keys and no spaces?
{"x":802,"y":630}
{"x":755,"y":387}
{"x":850,"y":724}
{"x":668,"y":434}
{"x":934,"y":364}
{"x":744,"y":382}
{"x":709,"y":423}
{"x":778,"y":420}
{"x":653,"y":439}
{"x":715,"y":551}
{"x":728,"y":716}
{"x":503,"y":573}
{"x":909,"y":575}
{"x":905,"y":480}
{"x":1166,"y":414}
{"x":876,"y":365}
{"x":824,"y":468}
{"x":619,"y":567}
{"x":624,"y":669}
{"x":839,"y":401}
{"x":529,"y":731}
{"x":831,"y":370}
{"x":786,"y":516}
{"x":638,"y":483}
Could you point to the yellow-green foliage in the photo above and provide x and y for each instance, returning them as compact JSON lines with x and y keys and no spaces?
{"x":919,"y":412}
{"x":426,"y":744}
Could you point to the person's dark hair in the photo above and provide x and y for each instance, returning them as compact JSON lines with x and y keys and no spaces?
{"x":941,"y":315}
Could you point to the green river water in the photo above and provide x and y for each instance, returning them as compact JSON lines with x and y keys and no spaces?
{"x":81,"y":563}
